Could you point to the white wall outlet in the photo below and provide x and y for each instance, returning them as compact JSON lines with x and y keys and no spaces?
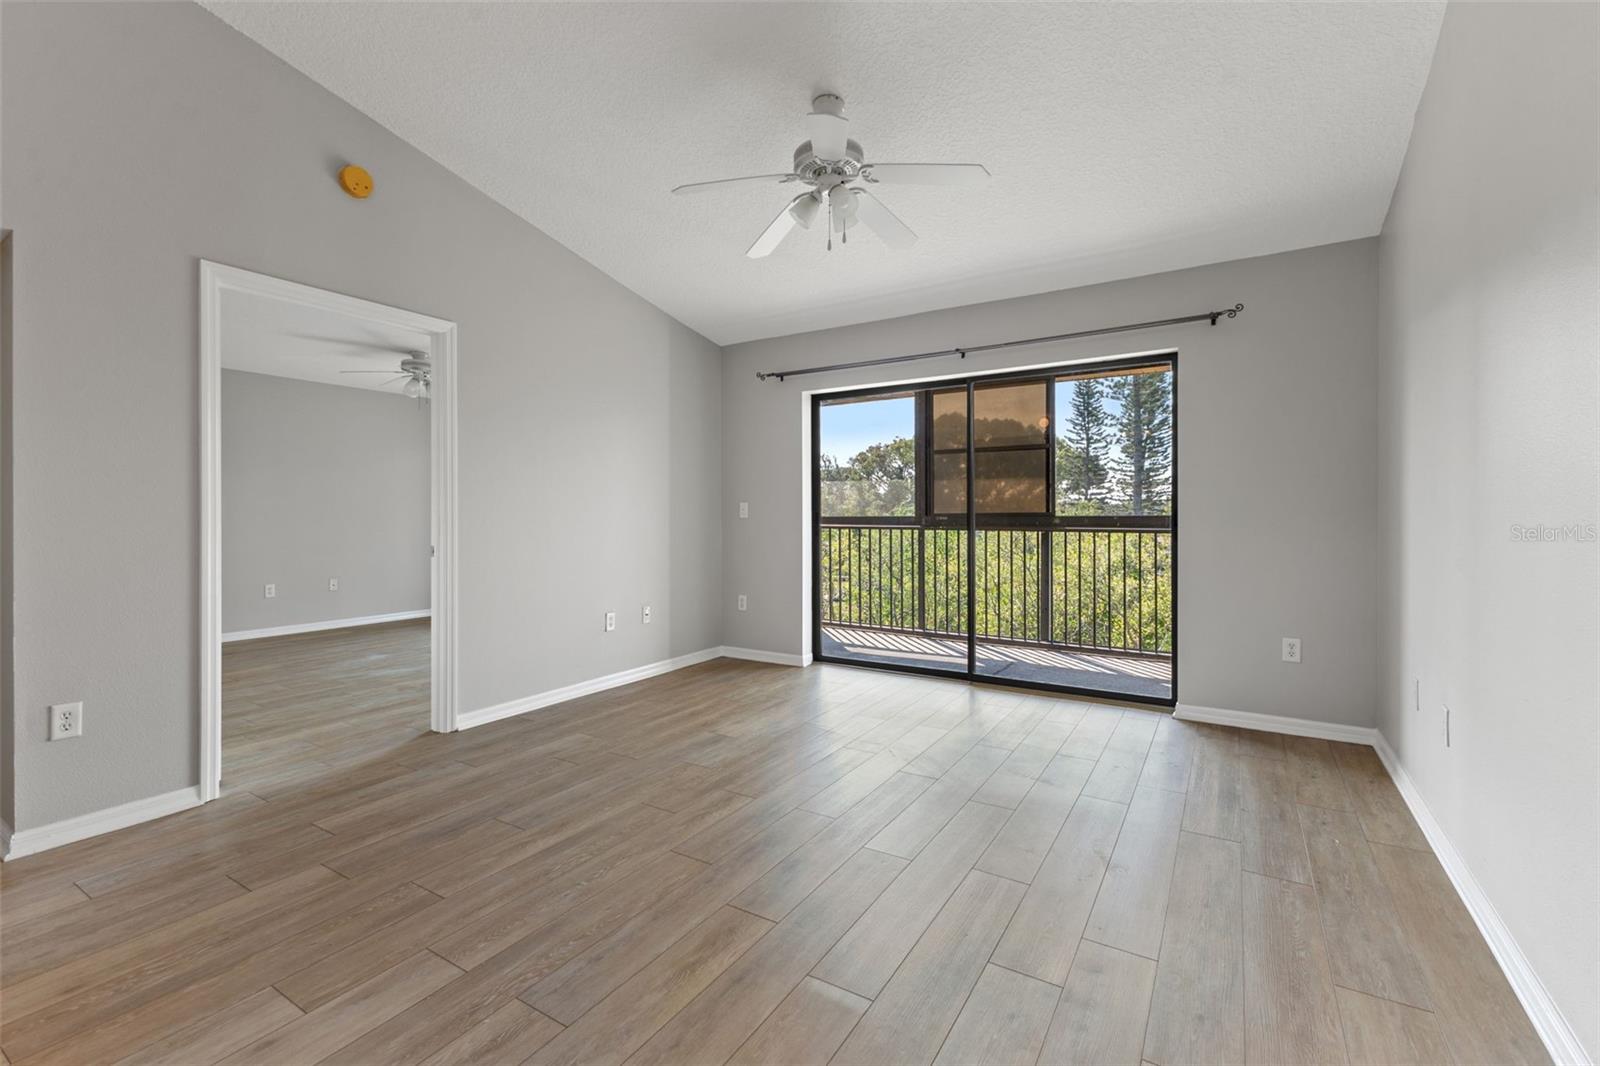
{"x":269,"y":591}
{"x":644,"y":615}
{"x":333,"y":584}
{"x":611,"y":620}
{"x":1291,"y":649}
{"x":744,"y":602}
{"x":744,"y":509}
{"x":66,"y":721}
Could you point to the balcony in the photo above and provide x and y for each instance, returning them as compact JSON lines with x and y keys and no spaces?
{"x":1083,"y":607}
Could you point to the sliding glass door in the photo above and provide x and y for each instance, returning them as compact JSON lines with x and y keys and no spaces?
{"x":1018,"y":529}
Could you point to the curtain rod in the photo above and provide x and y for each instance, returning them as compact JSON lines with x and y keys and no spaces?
{"x":1211,"y":316}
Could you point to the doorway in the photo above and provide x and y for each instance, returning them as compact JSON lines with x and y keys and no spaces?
{"x":328,"y":557}
{"x":1016,"y":528}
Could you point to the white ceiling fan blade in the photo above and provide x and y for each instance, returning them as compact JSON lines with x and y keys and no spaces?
{"x":390,"y":371}
{"x":774,"y":234}
{"x":708,"y":186}
{"x":828,"y":134}
{"x":926,"y":173}
{"x":882,"y":221}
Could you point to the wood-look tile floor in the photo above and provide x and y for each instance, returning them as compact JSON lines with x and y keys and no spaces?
{"x":746,"y":863}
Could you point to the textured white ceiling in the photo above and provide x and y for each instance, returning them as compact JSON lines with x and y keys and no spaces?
{"x":288,"y":340}
{"x":1124,"y":138}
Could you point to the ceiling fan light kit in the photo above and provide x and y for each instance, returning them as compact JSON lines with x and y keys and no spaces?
{"x":414,"y":370}
{"x":831,"y":163}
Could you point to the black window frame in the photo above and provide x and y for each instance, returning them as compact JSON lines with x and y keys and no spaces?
{"x":923,"y":516}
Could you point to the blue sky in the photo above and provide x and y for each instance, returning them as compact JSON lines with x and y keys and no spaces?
{"x":849,"y":428}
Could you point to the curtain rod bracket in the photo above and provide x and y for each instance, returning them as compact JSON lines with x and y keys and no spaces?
{"x":1231,"y":312}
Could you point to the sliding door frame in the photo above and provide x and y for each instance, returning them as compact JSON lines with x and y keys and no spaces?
{"x":923,"y":490}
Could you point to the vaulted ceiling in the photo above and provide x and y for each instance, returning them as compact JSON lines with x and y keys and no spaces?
{"x":1124,"y":139}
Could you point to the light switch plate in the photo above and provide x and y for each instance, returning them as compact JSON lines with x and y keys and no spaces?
{"x":744,"y":509}
{"x":333,"y":584}
{"x":644,"y":615}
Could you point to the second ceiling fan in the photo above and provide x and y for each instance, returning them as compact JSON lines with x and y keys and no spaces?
{"x":834,"y":170}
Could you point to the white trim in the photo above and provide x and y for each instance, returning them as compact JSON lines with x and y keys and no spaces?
{"x":524,"y":704}
{"x":215,"y":279}
{"x":1544,"y":1014}
{"x":1277,"y":723}
{"x":756,"y":655}
{"x":5,"y":838}
{"x":1548,"y":1021}
{"x":69,"y":830}
{"x":318,"y":627}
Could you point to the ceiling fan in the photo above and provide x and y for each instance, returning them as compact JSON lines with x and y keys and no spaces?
{"x":835,"y":171}
{"x":414,"y":370}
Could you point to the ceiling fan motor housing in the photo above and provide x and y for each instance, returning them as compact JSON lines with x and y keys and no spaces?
{"x":807,"y":167}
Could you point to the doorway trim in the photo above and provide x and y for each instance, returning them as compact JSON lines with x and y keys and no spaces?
{"x":217,"y":279}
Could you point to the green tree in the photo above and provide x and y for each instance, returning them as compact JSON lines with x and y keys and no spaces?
{"x":1081,"y":450}
{"x":1144,"y":432}
{"x":878,"y":481}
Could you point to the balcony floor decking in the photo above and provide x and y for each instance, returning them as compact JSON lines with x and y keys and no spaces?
{"x":1108,"y":672}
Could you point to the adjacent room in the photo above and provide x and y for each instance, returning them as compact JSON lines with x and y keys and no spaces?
{"x":799,"y":533}
{"x":325,"y":490}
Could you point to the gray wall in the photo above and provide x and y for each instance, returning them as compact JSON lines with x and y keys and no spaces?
{"x":1489,"y":343}
{"x":590,"y":439}
{"x":1277,"y":464}
{"x":321,"y":481}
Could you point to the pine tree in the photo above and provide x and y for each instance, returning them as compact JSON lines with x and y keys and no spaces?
{"x":1081,"y":457}
{"x":1144,"y":429}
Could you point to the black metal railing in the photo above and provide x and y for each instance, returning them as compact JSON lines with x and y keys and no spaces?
{"x":1106,"y":589}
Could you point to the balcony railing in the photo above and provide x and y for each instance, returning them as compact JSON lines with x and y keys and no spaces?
{"x":1102,"y":589}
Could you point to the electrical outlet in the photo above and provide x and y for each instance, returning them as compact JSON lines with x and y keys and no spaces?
{"x":644,"y":615}
{"x":66,"y":721}
{"x":744,"y":602}
{"x":611,"y":620}
{"x":333,"y":584}
{"x":1291,"y":649}
{"x":744,"y":509}
{"x":269,"y":591}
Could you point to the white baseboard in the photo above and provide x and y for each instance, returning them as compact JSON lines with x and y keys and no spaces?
{"x":69,"y":830}
{"x":1277,"y":723}
{"x":318,"y":627}
{"x":755,"y":655}
{"x":512,"y":708}
{"x":1548,"y":1021}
